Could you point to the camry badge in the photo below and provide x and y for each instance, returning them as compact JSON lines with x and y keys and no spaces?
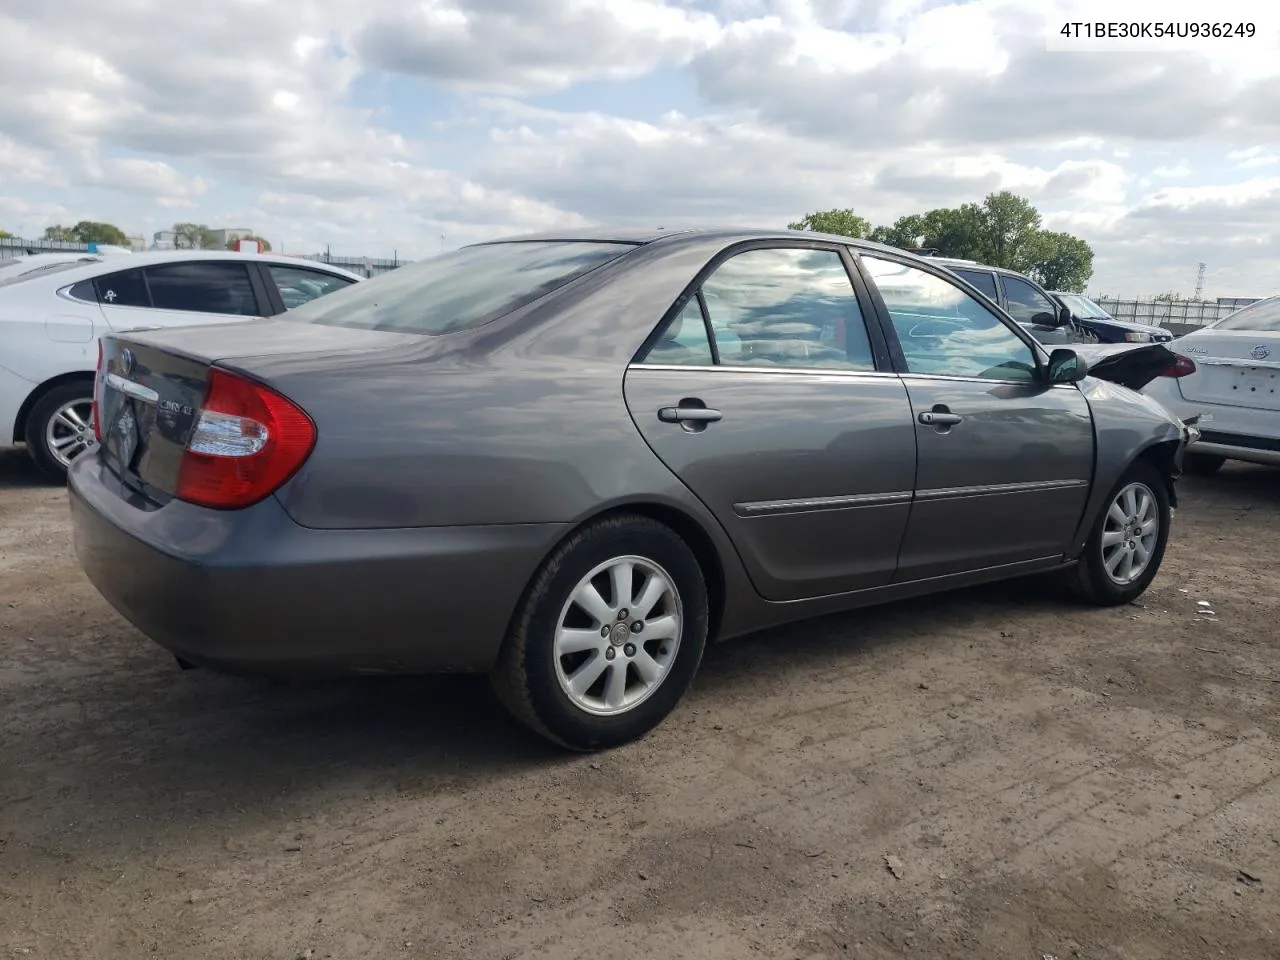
{"x":1260,"y":352}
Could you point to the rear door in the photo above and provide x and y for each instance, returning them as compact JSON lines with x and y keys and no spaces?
{"x":181,"y":293}
{"x":1004,"y":461}
{"x":1237,"y":359}
{"x":768,"y":393}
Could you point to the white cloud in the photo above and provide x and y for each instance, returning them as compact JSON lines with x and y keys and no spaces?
{"x":278,"y":116}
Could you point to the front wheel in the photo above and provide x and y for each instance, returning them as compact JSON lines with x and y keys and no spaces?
{"x":1126,"y":546}
{"x":608,"y":637}
{"x":60,"y":428}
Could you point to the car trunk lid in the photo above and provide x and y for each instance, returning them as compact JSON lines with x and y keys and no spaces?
{"x":152,"y":385}
{"x":1235,"y":368}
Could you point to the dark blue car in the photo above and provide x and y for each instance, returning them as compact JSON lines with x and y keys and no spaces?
{"x":1092,"y":318}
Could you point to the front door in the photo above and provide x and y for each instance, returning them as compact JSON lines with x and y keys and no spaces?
{"x":1004,"y":460}
{"x":764,"y":394}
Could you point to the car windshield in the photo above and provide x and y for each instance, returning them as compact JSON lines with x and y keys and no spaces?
{"x":1082,"y":306}
{"x":461,"y":289}
{"x":1263,"y":316}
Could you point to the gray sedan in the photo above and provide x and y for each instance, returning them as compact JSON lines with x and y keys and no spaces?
{"x":571,"y":460}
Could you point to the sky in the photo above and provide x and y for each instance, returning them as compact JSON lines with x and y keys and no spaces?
{"x":381,"y":127}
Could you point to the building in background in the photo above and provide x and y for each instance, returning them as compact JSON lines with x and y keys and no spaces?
{"x":225,"y":235}
{"x":164,"y":240}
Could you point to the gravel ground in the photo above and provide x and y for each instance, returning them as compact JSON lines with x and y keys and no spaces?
{"x":992,"y":773}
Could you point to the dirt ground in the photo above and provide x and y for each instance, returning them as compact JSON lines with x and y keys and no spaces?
{"x":1046,"y":781}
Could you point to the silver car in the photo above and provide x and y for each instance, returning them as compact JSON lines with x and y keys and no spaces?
{"x":571,"y":460}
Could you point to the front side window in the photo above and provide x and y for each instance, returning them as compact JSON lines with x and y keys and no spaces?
{"x":299,"y":285}
{"x":1263,"y":317}
{"x":1024,"y":301}
{"x":207,"y":287}
{"x":984,"y":280}
{"x":459,"y":290}
{"x":945,"y":331}
{"x":787,"y":307}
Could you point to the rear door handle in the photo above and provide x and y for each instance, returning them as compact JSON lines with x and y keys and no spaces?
{"x":933,"y":418}
{"x":688,"y":415}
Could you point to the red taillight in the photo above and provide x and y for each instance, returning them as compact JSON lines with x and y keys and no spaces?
{"x":1181,"y":367}
{"x":96,"y":409}
{"x":246,"y":442}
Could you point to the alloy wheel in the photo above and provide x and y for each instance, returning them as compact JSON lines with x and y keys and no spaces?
{"x":618,"y":635}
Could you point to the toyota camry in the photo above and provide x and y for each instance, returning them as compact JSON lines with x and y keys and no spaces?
{"x":570,"y":460}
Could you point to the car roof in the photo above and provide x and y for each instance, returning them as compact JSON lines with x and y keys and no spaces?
{"x":724,"y":235}
{"x":111,"y":263}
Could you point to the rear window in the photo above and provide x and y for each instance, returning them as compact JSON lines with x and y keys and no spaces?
{"x":459,"y":290}
{"x":1263,"y":316}
{"x":15,"y":275}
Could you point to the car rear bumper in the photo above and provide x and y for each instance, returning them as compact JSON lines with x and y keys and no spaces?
{"x":252,"y":591}
{"x":1237,"y":433}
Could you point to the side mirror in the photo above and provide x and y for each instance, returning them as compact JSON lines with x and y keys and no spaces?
{"x":1043,"y":319}
{"x":1066,"y":366}
{"x":1064,"y":315}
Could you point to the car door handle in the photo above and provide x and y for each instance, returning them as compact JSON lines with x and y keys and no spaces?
{"x":937,"y":418}
{"x":688,"y":415}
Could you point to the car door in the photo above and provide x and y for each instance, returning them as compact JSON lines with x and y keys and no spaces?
{"x":1036,"y":311}
{"x":181,"y":293}
{"x":768,"y":393}
{"x":1004,"y":460}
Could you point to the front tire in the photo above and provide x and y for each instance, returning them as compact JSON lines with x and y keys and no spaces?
{"x":1127,"y":543}
{"x":608,"y":636}
{"x":59,"y":428}
{"x":1202,"y":464}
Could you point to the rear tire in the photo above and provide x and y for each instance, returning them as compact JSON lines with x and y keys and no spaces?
{"x":591,"y":679}
{"x":1202,"y":464}
{"x":59,"y":428}
{"x":1123,"y":553}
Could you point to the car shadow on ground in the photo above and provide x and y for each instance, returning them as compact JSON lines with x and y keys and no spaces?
{"x":18,"y":470}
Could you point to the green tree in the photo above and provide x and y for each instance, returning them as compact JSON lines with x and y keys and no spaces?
{"x":94,"y":231}
{"x":262,"y":244}
{"x":843,"y":223}
{"x":1060,"y":261}
{"x":1169,"y":297}
{"x":88,"y":231}
{"x":1010,"y":226}
{"x":5,"y":234}
{"x":194,"y":236}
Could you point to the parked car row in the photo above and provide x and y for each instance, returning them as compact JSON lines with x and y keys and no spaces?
{"x":571,"y":460}
{"x":54,"y":307}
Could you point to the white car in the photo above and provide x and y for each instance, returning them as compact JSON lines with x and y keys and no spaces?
{"x":50,"y":322}
{"x":1235,"y":389}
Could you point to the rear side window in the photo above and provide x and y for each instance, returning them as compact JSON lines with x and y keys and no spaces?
{"x":124,"y":289}
{"x":459,"y":290}
{"x":772,"y":307}
{"x":203,"y":288}
{"x":984,"y":280}
{"x":1263,"y":316}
